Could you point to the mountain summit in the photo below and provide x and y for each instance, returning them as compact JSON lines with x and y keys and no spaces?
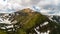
{"x":26,"y":21}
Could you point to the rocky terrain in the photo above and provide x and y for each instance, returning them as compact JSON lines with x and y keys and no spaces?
{"x":27,"y":21}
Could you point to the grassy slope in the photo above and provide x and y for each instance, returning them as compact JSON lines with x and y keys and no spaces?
{"x":34,"y":20}
{"x":28,"y":22}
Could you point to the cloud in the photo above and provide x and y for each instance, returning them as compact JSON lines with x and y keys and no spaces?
{"x":29,"y":2}
{"x":34,"y":2}
{"x":46,"y":5}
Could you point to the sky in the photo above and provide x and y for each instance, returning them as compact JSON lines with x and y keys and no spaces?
{"x":43,"y":6}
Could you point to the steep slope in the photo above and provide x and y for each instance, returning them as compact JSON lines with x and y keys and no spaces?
{"x":56,"y":18}
{"x":26,"y":21}
{"x":31,"y":20}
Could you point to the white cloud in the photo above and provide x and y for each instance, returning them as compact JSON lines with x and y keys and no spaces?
{"x":56,"y":2}
{"x":20,"y":4}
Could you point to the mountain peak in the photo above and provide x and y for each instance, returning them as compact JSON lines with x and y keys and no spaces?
{"x":27,"y":10}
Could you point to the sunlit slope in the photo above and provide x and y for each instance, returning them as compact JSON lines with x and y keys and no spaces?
{"x":27,"y":20}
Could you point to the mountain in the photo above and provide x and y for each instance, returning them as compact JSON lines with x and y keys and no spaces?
{"x":27,"y":21}
{"x":56,"y":18}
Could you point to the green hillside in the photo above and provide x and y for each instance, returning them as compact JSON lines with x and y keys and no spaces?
{"x":28,"y":19}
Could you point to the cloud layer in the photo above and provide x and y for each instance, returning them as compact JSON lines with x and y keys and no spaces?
{"x":50,"y":6}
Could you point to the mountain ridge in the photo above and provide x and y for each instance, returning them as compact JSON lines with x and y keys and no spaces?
{"x":26,"y":19}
